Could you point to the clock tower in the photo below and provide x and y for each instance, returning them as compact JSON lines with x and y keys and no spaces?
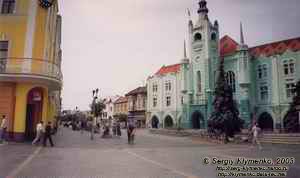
{"x":204,"y":50}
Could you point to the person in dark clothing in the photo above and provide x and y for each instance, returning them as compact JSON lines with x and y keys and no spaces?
{"x":130,"y":134}
{"x":119,"y":133}
{"x":48,"y":133}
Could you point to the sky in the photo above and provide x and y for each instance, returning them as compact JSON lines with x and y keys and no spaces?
{"x":116,"y":45}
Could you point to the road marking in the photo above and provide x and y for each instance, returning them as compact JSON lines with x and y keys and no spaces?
{"x":16,"y":171}
{"x":163,"y":166}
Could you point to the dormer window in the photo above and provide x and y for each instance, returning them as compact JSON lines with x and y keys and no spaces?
{"x":197,"y":37}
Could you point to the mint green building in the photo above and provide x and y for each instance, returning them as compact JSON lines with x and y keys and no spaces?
{"x":262,"y":78}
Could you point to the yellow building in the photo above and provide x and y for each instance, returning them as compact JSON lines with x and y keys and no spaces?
{"x":120,"y":107}
{"x":30,"y":64}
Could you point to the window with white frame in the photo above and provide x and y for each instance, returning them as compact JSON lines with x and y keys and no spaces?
{"x":168,"y":86}
{"x":264,"y":93}
{"x":289,"y":87}
{"x":3,"y":54}
{"x":265,"y":70}
{"x":262,"y":71}
{"x":154,"y":88}
{"x":289,"y":67}
{"x":7,"y":6}
{"x":230,"y":78}
{"x":154,"y":102}
{"x":168,"y":101}
{"x":259,"y":71}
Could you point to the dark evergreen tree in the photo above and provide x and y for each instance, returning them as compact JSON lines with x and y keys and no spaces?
{"x":291,"y":119}
{"x":225,"y":116}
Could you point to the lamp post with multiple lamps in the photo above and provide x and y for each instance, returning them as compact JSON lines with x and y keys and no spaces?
{"x":94,"y":114}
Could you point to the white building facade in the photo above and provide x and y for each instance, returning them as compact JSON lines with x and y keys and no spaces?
{"x":164,"y":99}
{"x":108,"y":112}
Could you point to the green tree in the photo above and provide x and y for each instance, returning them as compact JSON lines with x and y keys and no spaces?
{"x":97,"y":108}
{"x":225,"y":116}
{"x":291,"y":119}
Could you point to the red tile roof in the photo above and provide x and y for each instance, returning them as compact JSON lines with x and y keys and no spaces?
{"x":168,"y":69}
{"x":227,"y":46}
{"x":277,"y":47}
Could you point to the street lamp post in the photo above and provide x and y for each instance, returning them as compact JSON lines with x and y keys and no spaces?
{"x":95,"y":97}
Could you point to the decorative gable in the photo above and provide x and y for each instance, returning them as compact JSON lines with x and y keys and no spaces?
{"x":227,"y":46}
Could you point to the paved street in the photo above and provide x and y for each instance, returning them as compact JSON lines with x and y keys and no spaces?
{"x":75,"y":155}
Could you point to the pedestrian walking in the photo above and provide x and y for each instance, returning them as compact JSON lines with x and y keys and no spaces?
{"x":130,"y":132}
{"x":48,"y":133}
{"x":81,"y":127}
{"x":255,"y":139}
{"x":114,"y":129}
{"x":39,"y":132}
{"x":3,"y":129}
{"x":119,"y":133}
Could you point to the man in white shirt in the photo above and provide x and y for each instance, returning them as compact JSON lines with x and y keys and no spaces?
{"x":3,"y":128}
{"x":255,"y":131}
{"x":39,"y":132}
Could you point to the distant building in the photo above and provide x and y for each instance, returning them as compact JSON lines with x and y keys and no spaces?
{"x":262,"y":79}
{"x":121,"y":108}
{"x":108,"y":112}
{"x":137,"y":99}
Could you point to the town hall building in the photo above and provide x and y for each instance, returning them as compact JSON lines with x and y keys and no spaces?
{"x":262,"y":78}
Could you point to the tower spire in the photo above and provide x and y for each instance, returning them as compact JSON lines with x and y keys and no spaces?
{"x":242,"y":34}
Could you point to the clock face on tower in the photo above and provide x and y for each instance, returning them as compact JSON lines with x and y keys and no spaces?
{"x":46,"y":3}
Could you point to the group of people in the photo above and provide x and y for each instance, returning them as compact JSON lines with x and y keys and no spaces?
{"x":115,"y":128}
{"x":44,"y":133}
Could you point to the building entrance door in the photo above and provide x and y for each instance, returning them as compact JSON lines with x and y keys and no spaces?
{"x":197,"y":120}
{"x":29,"y":132}
{"x":33,"y":112}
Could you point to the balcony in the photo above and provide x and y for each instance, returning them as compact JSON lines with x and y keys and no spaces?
{"x":31,"y":70}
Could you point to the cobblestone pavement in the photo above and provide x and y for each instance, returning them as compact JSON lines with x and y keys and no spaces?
{"x":155,"y":156}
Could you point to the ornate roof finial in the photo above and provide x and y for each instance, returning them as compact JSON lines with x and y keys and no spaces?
{"x":202,"y":7}
{"x":242,"y":34}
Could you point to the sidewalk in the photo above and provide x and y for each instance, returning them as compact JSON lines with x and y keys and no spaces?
{"x":12,"y":154}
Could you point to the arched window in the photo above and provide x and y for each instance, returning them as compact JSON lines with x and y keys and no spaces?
{"x":213,"y":36}
{"x":230,"y":78}
{"x":197,"y":37}
{"x":199,"y":81}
